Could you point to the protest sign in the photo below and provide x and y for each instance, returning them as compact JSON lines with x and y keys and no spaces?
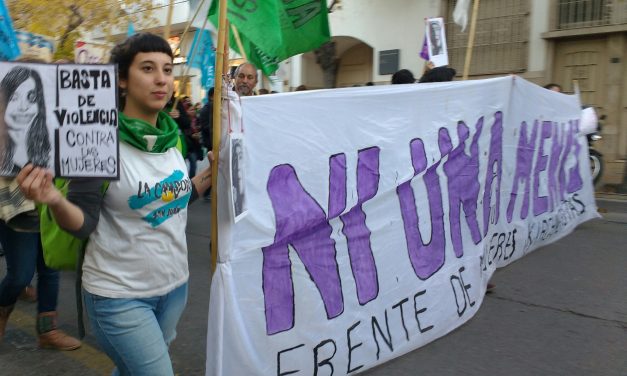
{"x":376,"y":217}
{"x":62,"y":117}
{"x":91,"y":53}
{"x":436,"y":41}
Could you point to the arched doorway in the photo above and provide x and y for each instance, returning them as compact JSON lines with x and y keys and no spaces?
{"x":354,"y":64}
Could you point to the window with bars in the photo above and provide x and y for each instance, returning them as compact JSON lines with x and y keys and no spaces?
{"x":574,"y":14}
{"x":501,"y":38}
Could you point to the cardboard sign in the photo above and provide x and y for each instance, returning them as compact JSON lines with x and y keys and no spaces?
{"x":62,"y":117}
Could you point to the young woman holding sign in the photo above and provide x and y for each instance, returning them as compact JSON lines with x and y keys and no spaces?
{"x":135,"y":270}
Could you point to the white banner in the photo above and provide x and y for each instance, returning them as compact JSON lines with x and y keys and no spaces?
{"x":376,"y":216}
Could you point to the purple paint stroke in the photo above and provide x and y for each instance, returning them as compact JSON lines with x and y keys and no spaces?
{"x":494,"y":157}
{"x":301,"y":222}
{"x":575,"y":182}
{"x":337,"y":185}
{"x":424,"y":51}
{"x":541,"y":203}
{"x":524,"y":164}
{"x":556,"y":194}
{"x":355,"y":229}
{"x":462,"y":172}
{"x":426,"y":259}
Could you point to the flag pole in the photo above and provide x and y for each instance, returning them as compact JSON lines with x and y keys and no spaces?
{"x":238,"y":40}
{"x":471,"y":38}
{"x":166,"y":30}
{"x":222,"y":56}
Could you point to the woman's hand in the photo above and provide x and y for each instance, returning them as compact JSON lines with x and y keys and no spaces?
{"x":36,"y":185}
{"x":202,"y":180}
{"x":174,"y":113}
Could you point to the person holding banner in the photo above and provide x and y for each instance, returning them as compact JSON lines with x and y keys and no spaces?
{"x":135,"y":272}
{"x":245,"y":79}
{"x":22,"y":102}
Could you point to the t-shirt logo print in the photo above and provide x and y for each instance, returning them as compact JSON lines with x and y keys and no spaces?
{"x":174,"y":192}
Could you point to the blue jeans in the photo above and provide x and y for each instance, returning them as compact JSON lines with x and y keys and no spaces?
{"x":23,"y":254}
{"x":136,"y":333}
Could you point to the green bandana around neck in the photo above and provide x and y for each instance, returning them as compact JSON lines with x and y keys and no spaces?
{"x":140,"y":134}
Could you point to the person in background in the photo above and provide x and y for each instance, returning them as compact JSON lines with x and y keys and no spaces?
{"x":135,"y":272}
{"x":263,"y":91}
{"x":23,"y":120}
{"x":184,"y":122}
{"x":205,"y":122}
{"x":301,"y":88}
{"x":438,"y":74}
{"x":553,"y":87}
{"x":403,"y":76}
{"x":245,"y":79}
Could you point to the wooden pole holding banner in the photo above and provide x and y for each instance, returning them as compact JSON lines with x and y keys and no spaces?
{"x":166,"y":30}
{"x":222,"y":56}
{"x":238,"y":40}
{"x":471,"y":38}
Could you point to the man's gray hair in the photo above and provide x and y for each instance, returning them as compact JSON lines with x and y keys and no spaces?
{"x":241,"y":66}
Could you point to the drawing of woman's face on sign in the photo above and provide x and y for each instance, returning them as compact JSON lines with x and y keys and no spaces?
{"x":21,"y":109}
{"x":24,"y":120}
{"x":238,"y":191}
{"x":436,"y":41}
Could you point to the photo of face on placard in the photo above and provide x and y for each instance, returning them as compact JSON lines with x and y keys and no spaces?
{"x":238,"y":186}
{"x":24,"y":135}
{"x":436,"y":41}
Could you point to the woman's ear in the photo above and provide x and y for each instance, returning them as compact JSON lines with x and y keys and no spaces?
{"x":122,"y":83}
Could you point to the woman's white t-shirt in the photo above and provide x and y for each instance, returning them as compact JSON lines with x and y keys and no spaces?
{"x":139,"y":247}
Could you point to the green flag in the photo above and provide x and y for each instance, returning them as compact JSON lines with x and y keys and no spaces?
{"x":273,"y":30}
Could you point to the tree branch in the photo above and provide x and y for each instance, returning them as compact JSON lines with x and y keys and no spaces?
{"x":76,"y":19}
{"x":333,"y":4}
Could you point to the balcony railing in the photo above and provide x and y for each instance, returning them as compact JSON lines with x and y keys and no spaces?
{"x":574,"y":14}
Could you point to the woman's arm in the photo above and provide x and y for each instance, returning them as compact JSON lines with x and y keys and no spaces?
{"x":202,"y":180}
{"x":36,"y":184}
{"x":78,"y":213}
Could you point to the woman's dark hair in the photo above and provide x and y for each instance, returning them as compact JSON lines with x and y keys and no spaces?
{"x":403,"y":76}
{"x":38,"y":140}
{"x":124,"y":53}
{"x":438,"y":74}
{"x":552,"y":85}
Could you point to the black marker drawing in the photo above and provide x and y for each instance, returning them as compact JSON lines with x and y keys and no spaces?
{"x":23,"y":132}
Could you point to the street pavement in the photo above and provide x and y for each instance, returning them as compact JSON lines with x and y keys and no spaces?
{"x":561,"y":310}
